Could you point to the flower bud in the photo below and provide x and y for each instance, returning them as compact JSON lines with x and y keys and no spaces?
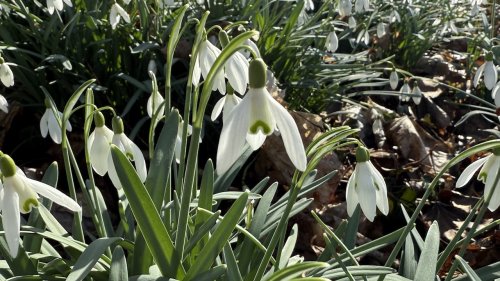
{"x":394,"y":79}
{"x":2,"y":60}
{"x":257,"y":74}
{"x":223,"y":38}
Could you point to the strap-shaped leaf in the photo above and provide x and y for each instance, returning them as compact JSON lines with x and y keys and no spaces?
{"x":295,"y":270}
{"x":470,"y":272}
{"x":147,"y":217}
{"x":118,"y":271}
{"x":426,"y":268}
{"x":218,"y":239}
{"x":90,"y":257}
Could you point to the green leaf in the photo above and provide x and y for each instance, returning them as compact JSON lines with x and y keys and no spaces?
{"x":409,"y":259}
{"x":147,"y":217}
{"x":70,"y":104}
{"x":90,"y":257}
{"x":233,"y":272}
{"x":145,"y":46}
{"x":211,"y":274}
{"x":223,"y":182}
{"x":358,"y":270}
{"x":426,"y":268}
{"x":489,"y":272}
{"x":218,"y":239}
{"x":118,"y":270}
{"x":289,"y":246}
{"x":470,"y":272}
{"x":295,"y":270}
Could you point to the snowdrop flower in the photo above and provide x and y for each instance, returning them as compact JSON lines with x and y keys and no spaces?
{"x":18,"y":194}
{"x":490,"y":73}
{"x":394,"y":79}
{"x":332,"y":42}
{"x":236,"y":67}
{"x":57,"y":4}
{"x":367,"y":187}
{"x":50,"y":125}
{"x":152,"y":66}
{"x":363,"y":35}
{"x":116,"y":13}
{"x":309,"y":5}
{"x":394,"y":16}
{"x":4,"y":105}
{"x":130,"y":149}
{"x":207,"y":55}
{"x":6,"y":75}
{"x":405,"y":92}
{"x":4,"y":10}
{"x":490,"y":166}
{"x":345,"y":8}
{"x":495,"y":94}
{"x":361,"y":6}
{"x":351,"y":22}
{"x":380,"y":29}
{"x":99,"y":145}
{"x":253,"y":119}
{"x":416,"y":95}
{"x":155,"y":101}
{"x":253,"y":46}
{"x":225,"y":105}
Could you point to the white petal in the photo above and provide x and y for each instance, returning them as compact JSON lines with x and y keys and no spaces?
{"x":50,"y":6}
{"x":100,"y":149}
{"x":218,"y":108}
{"x":231,"y":102}
{"x":233,"y":136}
{"x":58,"y":4}
{"x":256,"y":140}
{"x":11,"y":220}
{"x":54,"y":129}
{"x":332,"y":42}
{"x":351,"y":194}
{"x":469,"y":172}
{"x":68,"y":2}
{"x":479,"y":72}
{"x":490,"y":181}
{"x":140,"y":163}
{"x":366,"y":191}
{"x":381,"y":191}
{"x":418,"y":95}
{"x":380,"y":29}
{"x":490,"y":75}
{"x":122,"y":13}
{"x":394,"y":80}
{"x":44,"y":123}
{"x":290,"y":135}
{"x":352,"y":22}
{"x":6,"y":75}
{"x":495,"y":198}
{"x":53,"y":194}
{"x":112,"y":173}
{"x":114,"y":17}
{"x":196,"y":71}
{"x":236,"y":70}
{"x":4,"y":105}
{"x":158,"y":100}
{"x":177,"y":150}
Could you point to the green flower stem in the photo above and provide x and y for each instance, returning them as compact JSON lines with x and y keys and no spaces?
{"x":455,"y":160}
{"x":186,"y":190}
{"x":493,"y":19}
{"x":470,"y":234}
{"x":454,"y":242}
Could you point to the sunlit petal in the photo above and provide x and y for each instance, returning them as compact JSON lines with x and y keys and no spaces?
{"x":236,"y":70}
{"x":366,"y":191}
{"x":381,"y":190}
{"x":11,"y":220}
{"x":218,"y":108}
{"x":54,"y":128}
{"x":469,"y":172}
{"x":478,"y":75}
{"x":489,"y":185}
{"x":53,"y":194}
{"x":6,"y":75}
{"x":351,"y":194}
{"x":44,"y":123}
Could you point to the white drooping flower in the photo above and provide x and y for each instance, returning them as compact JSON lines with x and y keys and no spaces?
{"x":381,"y":29}
{"x":361,"y":6}
{"x":57,"y":5}
{"x":490,"y":166}
{"x":6,"y":75}
{"x":394,"y":16}
{"x":152,"y":66}
{"x":236,"y":71}
{"x":405,"y":92}
{"x":345,"y":8}
{"x":351,"y":22}
{"x":363,"y":35}
{"x":394,"y":80}
{"x":490,"y":73}
{"x":50,"y":125}
{"x":253,"y":119}
{"x":207,"y":55}
{"x":309,"y":5}
{"x":416,"y":95}
{"x":332,"y":42}
{"x":4,"y":105}
{"x":116,"y":13}
{"x":225,"y":105}
{"x":366,"y":187}
{"x":99,"y":144}
{"x":130,"y":149}
{"x":155,"y":101}
{"x":18,"y":194}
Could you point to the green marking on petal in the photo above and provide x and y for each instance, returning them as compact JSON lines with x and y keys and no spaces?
{"x":29,"y":203}
{"x":482,"y":176}
{"x":260,"y":125}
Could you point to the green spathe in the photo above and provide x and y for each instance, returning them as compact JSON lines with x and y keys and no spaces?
{"x":257,"y":74}
{"x":99,"y":119}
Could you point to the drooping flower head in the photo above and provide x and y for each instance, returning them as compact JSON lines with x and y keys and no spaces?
{"x":207,"y":55}
{"x":99,"y":145}
{"x":57,"y":5}
{"x":490,"y":166}
{"x":257,"y":116}
{"x":345,"y":8}
{"x":130,"y":149}
{"x":394,"y":79}
{"x":405,"y":92}
{"x":366,"y":187}
{"x":489,"y":69}
{"x":50,"y":125}
{"x":4,"y":105}
{"x":6,"y":75}
{"x":332,"y":42}
{"x":19,"y":194}
{"x":116,"y":13}
{"x":236,"y":67}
